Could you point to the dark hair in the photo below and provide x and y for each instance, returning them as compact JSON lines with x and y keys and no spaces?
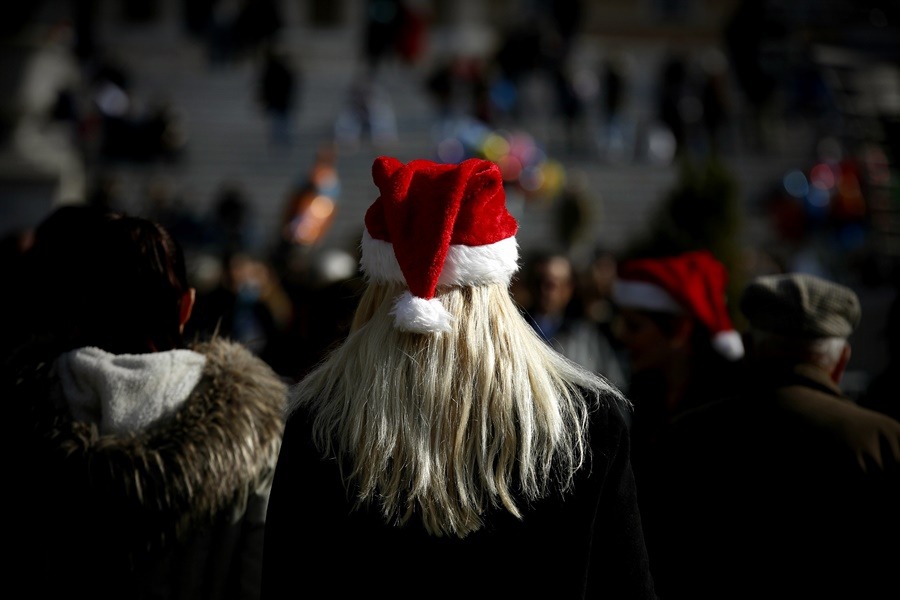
{"x":108,"y":280}
{"x":668,"y":324}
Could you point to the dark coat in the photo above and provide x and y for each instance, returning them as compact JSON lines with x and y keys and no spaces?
{"x":586,"y":545}
{"x":788,"y":490}
{"x":173,"y":511}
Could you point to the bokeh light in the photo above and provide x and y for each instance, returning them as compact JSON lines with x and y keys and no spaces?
{"x":796,"y":184}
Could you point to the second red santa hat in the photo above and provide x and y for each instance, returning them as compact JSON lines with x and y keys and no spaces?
{"x":437,"y":224}
{"x":692,"y":283}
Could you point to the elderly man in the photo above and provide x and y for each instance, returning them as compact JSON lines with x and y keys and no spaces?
{"x":785,"y":488}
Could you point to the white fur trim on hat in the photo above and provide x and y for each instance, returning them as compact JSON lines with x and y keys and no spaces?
{"x":463,"y":266}
{"x":644,"y":296}
{"x":729,"y":344}
{"x":419,"y":315}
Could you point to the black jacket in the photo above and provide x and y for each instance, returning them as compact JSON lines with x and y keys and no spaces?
{"x":587,"y":544}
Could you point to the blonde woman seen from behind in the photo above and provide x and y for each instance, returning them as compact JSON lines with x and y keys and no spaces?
{"x":445,"y":450}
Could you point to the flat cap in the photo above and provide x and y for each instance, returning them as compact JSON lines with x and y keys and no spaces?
{"x":800,"y":305}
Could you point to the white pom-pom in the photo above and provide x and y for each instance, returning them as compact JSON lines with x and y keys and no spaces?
{"x":419,"y":315}
{"x":729,"y":344}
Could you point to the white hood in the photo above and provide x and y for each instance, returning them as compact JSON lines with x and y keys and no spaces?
{"x":126,"y":392}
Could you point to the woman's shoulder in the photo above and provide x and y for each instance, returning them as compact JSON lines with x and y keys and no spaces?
{"x":609,"y":418}
{"x":608,"y":407}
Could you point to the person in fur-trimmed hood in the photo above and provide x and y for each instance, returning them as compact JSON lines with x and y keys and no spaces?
{"x":142,"y":466}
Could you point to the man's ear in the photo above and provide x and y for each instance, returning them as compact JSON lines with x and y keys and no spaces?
{"x":186,"y":307}
{"x":838,"y":371}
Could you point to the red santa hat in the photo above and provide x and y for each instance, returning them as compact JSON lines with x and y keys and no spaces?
{"x":692,"y":283}
{"x":433,"y":225}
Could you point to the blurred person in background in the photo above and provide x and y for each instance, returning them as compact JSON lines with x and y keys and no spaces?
{"x":249,"y":304}
{"x":617,"y":135}
{"x":682,"y":351}
{"x":142,"y":465}
{"x":557,"y":314}
{"x":784,"y":487}
{"x":324,"y":291}
{"x":453,"y":453}
{"x":230,"y":227}
{"x":596,"y":289}
{"x":673,"y":94}
{"x":311,"y":205}
{"x":367,"y":114}
{"x":277,"y":90}
{"x":673,"y":321}
{"x":383,"y":23}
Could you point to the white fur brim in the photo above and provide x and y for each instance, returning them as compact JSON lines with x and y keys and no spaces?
{"x":419,"y":315}
{"x":729,"y":344}
{"x":643,"y":295}
{"x":463,"y":266}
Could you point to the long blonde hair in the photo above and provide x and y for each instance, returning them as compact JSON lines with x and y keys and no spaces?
{"x":447,"y":426}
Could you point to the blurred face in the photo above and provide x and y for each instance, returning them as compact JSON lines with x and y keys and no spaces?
{"x":603,"y":273}
{"x":555,"y":286}
{"x":647,"y":345}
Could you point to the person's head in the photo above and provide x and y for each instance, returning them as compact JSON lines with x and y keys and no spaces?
{"x":551,"y":282}
{"x":109,"y":280}
{"x":797,"y":318}
{"x":596,"y":285}
{"x":671,"y":307}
